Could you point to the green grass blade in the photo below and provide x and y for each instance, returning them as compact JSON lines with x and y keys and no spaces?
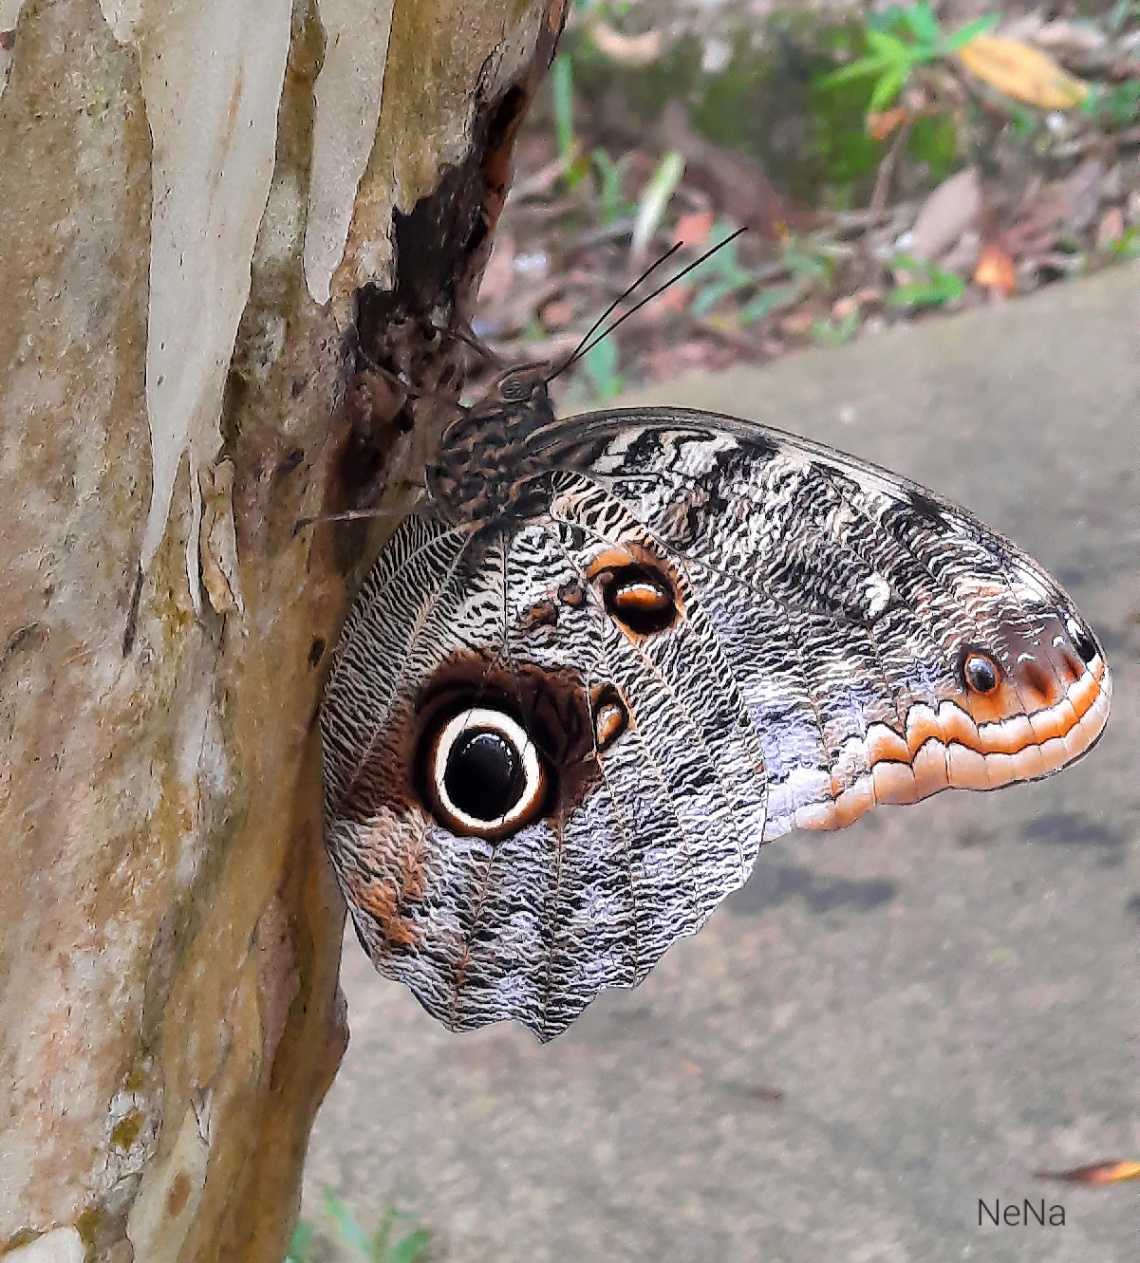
{"x":562,"y":88}
{"x":982,"y":26}
{"x":410,"y":1248}
{"x":349,"y":1231}
{"x":655,"y":200}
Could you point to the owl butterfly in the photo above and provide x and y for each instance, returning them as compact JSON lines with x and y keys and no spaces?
{"x":614,"y":654}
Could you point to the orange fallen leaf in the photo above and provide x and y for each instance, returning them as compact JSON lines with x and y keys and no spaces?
{"x":1111,"y":228}
{"x":1097,"y":1174}
{"x":694,"y":228}
{"x":674,"y":299}
{"x":995,"y":270}
{"x":880,"y":126}
{"x":1022,"y":72}
{"x":557,"y":312}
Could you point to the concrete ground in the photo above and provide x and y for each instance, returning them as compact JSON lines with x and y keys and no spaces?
{"x":888,"y":1023}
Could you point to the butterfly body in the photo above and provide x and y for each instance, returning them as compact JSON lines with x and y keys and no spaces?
{"x":618,"y":652}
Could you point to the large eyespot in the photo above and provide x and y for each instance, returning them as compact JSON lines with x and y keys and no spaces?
{"x":980,"y":672}
{"x":483,"y":775}
{"x":640,"y":598}
{"x":1082,"y":639}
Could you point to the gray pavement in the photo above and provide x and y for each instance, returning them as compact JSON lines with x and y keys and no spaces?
{"x":944,"y":996}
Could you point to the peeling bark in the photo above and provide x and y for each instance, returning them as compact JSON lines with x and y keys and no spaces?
{"x":169,"y":928}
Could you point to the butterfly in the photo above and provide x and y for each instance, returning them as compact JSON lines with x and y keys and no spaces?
{"x":614,"y":654}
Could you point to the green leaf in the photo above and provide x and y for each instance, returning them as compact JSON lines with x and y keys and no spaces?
{"x":1126,"y":246}
{"x":1022,"y":119}
{"x":939,"y":288}
{"x":655,"y":199}
{"x":856,"y":70}
{"x":601,"y":363}
{"x":300,"y":1243}
{"x":829,"y":334}
{"x":889,"y":47}
{"x":922,"y":21}
{"x":982,"y":26}
{"x":1123,"y":102}
{"x":885,"y":91}
{"x":378,"y":1246}
{"x":768,"y":301}
{"x":410,"y":1248}
{"x":713,"y":294}
{"x":805,"y":266}
{"x":350,"y":1232}
{"x":611,"y":178}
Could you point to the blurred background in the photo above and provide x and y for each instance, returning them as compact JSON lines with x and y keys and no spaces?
{"x":891,"y":162}
{"x":938,"y":1006}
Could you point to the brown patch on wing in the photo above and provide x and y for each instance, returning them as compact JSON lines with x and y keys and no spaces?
{"x":388,"y":900}
{"x":543,"y":613}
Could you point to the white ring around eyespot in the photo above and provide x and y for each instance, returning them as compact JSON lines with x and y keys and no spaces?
{"x":483,"y":719}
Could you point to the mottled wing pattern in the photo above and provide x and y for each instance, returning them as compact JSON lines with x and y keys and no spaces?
{"x":643,"y":837}
{"x":710,"y":633}
{"x":846,"y":601}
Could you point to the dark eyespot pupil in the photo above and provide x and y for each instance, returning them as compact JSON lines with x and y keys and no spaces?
{"x":981,"y":673}
{"x":1082,"y":642}
{"x":484,"y":775}
{"x":640,"y":599}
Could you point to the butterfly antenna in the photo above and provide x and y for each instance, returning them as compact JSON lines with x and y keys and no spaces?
{"x":586,"y":345}
{"x":617,"y":302}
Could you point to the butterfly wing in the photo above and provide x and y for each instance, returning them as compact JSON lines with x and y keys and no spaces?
{"x":554,"y":744}
{"x":654,"y":806}
{"x":854,"y":607}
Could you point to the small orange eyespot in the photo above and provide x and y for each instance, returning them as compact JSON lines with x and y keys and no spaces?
{"x":611,"y":717}
{"x":981,"y":672}
{"x":640,"y":598}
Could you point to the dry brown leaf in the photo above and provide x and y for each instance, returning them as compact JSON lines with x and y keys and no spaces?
{"x":558,"y":312}
{"x":880,"y":126}
{"x":946,"y":214}
{"x":1096,"y":1174}
{"x":995,"y":270}
{"x":499,"y":274}
{"x":1110,"y":228}
{"x":674,"y":299}
{"x":626,"y":50}
{"x":1022,"y":72}
{"x":694,"y":228}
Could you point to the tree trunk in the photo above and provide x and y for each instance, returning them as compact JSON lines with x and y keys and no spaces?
{"x":208,"y":210}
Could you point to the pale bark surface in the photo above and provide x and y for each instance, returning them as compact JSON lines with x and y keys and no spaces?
{"x":169,"y":931}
